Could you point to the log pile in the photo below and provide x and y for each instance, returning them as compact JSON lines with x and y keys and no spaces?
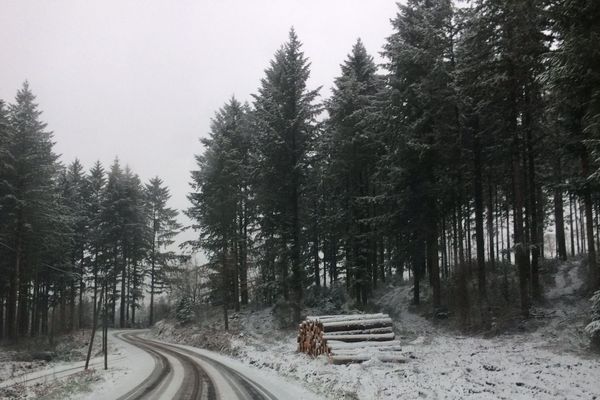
{"x":349,"y":338}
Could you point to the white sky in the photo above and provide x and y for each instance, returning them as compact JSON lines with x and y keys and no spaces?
{"x":141,"y":79}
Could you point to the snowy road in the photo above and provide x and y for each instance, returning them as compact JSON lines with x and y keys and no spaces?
{"x":184,"y":372}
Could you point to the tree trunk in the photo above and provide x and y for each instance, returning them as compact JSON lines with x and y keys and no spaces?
{"x":490,"y":223}
{"x":520,"y":245}
{"x":533,"y":208}
{"x":479,"y":235}
{"x":13,"y":297}
{"x":244,"y":258}
{"x":123,"y":294}
{"x":559,"y":224}
{"x":316,"y":267}
{"x":81,"y":290}
{"x":589,"y":219}
{"x":225,"y":287}
{"x":433,"y":263}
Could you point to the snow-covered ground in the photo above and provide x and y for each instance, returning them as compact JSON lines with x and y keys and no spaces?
{"x":548,"y":361}
{"x":128,"y":366}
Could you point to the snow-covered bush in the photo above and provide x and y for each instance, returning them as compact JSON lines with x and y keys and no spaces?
{"x":184,"y":311}
{"x":593,"y":328}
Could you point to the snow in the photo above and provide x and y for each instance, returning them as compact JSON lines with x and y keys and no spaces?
{"x":128,"y":366}
{"x":280,"y":388}
{"x":549,"y":359}
{"x":551,"y":362}
{"x":445,"y":367}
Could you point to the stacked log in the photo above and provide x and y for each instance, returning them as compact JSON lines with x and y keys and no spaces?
{"x":349,"y":338}
{"x":310,"y":338}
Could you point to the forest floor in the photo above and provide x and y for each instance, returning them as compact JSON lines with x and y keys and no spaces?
{"x":544,"y":357}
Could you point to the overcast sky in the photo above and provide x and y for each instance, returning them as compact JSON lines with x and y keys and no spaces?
{"x":141,"y":79}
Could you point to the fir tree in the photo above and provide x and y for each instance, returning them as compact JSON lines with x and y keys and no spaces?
{"x":31,"y":182}
{"x":422,"y":118}
{"x":163,"y":227}
{"x":218,"y":185}
{"x":284,"y":120}
{"x":353,"y":158}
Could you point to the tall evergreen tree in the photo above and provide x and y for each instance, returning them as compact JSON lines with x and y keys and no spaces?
{"x":6,"y":162}
{"x":31,"y":183}
{"x":74,"y":197}
{"x":575,"y":78}
{"x":163,"y":227}
{"x":354,"y":155}
{"x":422,"y":115}
{"x":284,"y":117}
{"x":218,"y":184}
{"x":95,"y":192}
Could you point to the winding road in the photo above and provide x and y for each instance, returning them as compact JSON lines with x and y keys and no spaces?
{"x":205,"y":376}
{"x":144,"y":368}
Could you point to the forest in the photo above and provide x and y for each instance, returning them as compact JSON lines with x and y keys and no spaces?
{"x":462,"y":162}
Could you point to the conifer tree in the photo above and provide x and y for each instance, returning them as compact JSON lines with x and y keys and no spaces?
{"x":74,"y":198}
{"x":30,"y":213}
{"x":163,"y":226}
{"x":95,"y":192}
{"x":284,"y":119}
{"x":422,"y":115}
{"x":353,"y":158}
{"x":217,"y":186}
{"x":575,"y":78}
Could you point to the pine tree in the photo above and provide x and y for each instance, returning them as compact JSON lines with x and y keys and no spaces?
{"x":6,"y":161}
{"x":163,"y":227}
{"x":575,"y":78}
{"x":95,"y":192}
{"x":74,"y":197}
{"x":113,"y":220}
{"x":354,"y":154}
{"x":422,"y":115}
{"x":218,"y":185}
{"x":501,"y":61}
{"x":284,"y":120}
{"x":32,"y":193}
{"x":136,"y":235}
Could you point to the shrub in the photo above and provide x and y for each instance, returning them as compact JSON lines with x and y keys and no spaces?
{"x":593,"y":328}
{"x":184,"y":311}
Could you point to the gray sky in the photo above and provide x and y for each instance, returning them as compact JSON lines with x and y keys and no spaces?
{"x":141,"y":79}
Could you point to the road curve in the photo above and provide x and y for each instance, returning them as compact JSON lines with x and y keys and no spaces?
{"x":205,"y":376}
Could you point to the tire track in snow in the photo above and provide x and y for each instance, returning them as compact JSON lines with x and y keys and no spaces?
{"x":205,"y":378}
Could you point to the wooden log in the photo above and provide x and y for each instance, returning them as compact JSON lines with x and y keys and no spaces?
{"x":344,"y":317}
{"x":360,"y":338}
{"x":387,"y":329}
{"x":365,"y":357}
{"x":366,"y":350}
{"x":336,"y":344}
{"x":352,"y":325}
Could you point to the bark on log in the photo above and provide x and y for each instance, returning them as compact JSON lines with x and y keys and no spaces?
{"x":362,"y":358}
{"x":354,"y":345}
{"x":359,"y":338}
{"x":350,"y":317}
{"x":387,"y":329}
{"x":357,"y":324}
